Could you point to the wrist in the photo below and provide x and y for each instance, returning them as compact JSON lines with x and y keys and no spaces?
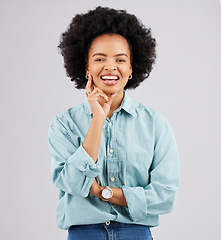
{"x":107,"y":194}
{"x":100,"y":189}
{"x":98,"y":119}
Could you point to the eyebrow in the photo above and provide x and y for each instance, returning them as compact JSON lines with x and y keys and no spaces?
{"x":117,"y":55}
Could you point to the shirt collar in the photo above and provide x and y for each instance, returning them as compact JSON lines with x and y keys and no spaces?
{"x":127,"y":105}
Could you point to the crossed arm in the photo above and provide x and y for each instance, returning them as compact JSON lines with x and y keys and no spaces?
{"x":118,"y":195}
{"x":78,"y":177}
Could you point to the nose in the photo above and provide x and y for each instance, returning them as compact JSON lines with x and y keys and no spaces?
{"x":110,"y":66}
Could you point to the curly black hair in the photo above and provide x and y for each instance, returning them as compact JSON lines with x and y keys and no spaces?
{"x":84,"y":28}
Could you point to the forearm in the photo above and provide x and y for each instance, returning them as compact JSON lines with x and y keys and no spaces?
{"x":92,"y":140}
{"x":118,"y":195}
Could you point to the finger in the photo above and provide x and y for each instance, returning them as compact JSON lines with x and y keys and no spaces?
{"x":96,"y":94}
{"x":92,"y":82}
{"x":89,"y":85}
{"x":98,"y":90}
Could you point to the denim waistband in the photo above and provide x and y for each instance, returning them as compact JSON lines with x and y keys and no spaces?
{"x":109,"y":223}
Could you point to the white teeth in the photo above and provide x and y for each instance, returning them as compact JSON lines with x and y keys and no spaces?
{"x":110,"y":77}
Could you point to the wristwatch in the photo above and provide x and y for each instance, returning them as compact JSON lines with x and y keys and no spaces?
{"x":106,"y":193}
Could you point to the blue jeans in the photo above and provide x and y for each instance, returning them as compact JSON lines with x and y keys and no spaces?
{"x":109,"y":231}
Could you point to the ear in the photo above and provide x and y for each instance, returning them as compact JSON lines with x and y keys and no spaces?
{"x":131,"y":70}
{"x":86,"y":67}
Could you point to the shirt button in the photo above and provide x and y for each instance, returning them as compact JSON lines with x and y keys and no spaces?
{"x":108,"y":223}
{"x":115,"y":205}
{"x":111,"y":151}
{"x":119,"y":112}
{"x":110,"y":124}
{"x":112,"y":179}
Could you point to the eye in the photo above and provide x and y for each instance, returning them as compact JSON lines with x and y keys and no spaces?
{"x":99,"y":59}
{"x":121,"y":60}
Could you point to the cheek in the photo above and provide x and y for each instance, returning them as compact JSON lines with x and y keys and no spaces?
{"x":126,"y":70}
{"x":94,"y":69}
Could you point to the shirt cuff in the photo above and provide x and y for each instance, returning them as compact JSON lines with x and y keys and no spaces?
{"x":84,"y":163}
{"x":136,"y":202}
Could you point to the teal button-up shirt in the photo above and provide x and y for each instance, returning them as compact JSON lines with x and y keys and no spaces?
{"x":137,"y":153}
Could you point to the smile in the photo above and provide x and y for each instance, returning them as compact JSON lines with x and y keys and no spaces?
{"x":109,"y":79}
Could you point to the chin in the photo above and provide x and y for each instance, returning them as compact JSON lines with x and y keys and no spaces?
{"x":110,"y":91}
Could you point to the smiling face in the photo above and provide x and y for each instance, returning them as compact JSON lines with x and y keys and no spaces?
{"x":109,"y":63}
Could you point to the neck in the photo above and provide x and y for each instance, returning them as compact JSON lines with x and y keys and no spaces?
{"x":117,"y":101}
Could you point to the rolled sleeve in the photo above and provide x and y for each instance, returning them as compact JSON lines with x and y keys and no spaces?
{"x":72,"y":169}
{"x":84,"y":163}
{"x":136,"y":202}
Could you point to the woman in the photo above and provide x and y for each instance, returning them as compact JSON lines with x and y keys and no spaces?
{"x":115,"y":161}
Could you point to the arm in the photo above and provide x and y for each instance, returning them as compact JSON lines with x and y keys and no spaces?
{"x":159,"y":196}
{"x":118,"y":195}
{"x":72,"y":169}
{"x":100,"y":111}
{"x":92,"y":140}
{"x":75,"y":167}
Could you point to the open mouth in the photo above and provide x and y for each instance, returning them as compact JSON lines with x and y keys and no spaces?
{"x":109,"y":79}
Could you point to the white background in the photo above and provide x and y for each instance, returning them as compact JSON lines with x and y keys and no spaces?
{"x":184,"y":85}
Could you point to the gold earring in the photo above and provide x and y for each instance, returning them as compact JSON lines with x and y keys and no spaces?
{"x":130,"y":76}
{"x":87,"y":75}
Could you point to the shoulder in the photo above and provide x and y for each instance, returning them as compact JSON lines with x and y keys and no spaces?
{"x":142,"y":109}
{"x":153,"y":115}
{"x":64,"y":119}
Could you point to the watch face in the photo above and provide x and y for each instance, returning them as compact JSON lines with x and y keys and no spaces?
{"x":107,"y":193}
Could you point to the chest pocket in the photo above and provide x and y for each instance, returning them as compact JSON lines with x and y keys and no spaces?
{"x":137,"y":167}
